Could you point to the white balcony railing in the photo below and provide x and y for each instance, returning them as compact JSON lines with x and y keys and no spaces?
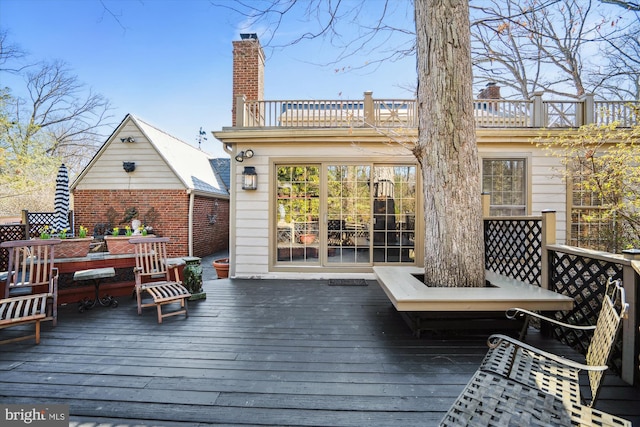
{"x":627,"y":114}
{"x":403,"y":113}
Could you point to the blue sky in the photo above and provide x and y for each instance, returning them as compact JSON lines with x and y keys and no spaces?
{"x":169,"y":62}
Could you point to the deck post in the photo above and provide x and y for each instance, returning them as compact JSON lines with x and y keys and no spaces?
{"x":368,"y":108}
{"x":548,"y":238}
{"x":629,"y":326}
{"x":537,"y":114}
{"x":27,"y":227}
{"x":587,"y":110}
{"x":486,"y":205}
{"x":240,"y":111}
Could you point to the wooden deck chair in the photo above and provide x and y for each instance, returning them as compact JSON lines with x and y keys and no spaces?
{"x":31,"y":286}
{"x":557,"y":375}
{"x":153,"y":276}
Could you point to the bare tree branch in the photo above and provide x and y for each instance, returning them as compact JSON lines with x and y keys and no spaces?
{"x":9,"y":54}
{"x":629,"y":5}
{"x":327,"y":20}
{"x":540,"y":46}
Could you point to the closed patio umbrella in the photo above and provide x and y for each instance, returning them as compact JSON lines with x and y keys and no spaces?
{"x":61,"y":203}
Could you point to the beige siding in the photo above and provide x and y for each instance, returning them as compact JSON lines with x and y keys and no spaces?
{"x":151,"y":173}
{"x":250,"y":237}
{"x":549,"y":191}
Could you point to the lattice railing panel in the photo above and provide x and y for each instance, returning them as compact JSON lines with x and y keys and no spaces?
{"x":9,"y":232}
{"x":584,"y":280}
{"x":38,"y":220}
{"x":513,"y":248}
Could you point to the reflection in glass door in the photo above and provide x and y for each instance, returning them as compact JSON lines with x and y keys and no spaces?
{"x":298,"y":207}
{"x":348,"y":214}
{"x":394,"y":214}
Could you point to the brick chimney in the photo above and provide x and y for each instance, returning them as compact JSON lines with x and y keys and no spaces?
{"x":248,"y":70}
{"x":491,"y":91}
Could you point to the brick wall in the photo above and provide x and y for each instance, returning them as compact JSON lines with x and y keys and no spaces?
{"x":171,"y":207}
{"x":248,"y":72}
{"x":211,"y":226}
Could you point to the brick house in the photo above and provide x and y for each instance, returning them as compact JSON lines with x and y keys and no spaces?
{"x":179,"y":190}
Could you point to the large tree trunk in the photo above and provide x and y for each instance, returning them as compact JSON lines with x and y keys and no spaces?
{"x":447,"y":150}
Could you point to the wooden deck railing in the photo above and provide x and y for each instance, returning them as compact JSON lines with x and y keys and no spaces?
{"x":394,"y":113}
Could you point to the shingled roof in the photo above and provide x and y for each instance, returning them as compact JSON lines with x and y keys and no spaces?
{"x":192,"y":165}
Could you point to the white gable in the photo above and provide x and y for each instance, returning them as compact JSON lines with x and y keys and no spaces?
{"x":162,"y":162}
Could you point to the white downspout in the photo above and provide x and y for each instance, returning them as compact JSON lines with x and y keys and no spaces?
{"x":190,"y":232}
{"x":229,"y":149}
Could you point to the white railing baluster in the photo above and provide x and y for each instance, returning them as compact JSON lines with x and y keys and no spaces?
{"x":394,"y":113}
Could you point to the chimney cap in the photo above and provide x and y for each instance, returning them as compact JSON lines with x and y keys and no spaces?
{"x":248,"y":36}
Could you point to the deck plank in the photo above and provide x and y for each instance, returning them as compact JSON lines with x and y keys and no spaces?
{"x":255,"y":352}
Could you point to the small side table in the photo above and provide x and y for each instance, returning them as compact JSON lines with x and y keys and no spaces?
{"x":96,"y":274}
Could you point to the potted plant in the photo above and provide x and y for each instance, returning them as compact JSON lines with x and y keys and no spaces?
{"x":70,"y":247}
{"x":222,"y":267}
{"x":307,"y":238}
{"x":118,"y":241}
{"x":44,"y":233}
{"x":308,"y":230}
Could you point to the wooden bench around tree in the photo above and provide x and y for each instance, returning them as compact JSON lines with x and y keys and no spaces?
{"x":31,"y":286}
{"x":408,"y":293}
{"x":431,"y":308}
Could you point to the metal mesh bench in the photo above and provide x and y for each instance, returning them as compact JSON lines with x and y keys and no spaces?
{"x":490,"y":399}
{"x":557,"y":375}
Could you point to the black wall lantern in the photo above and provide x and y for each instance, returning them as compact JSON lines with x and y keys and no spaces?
{"x":249,"y":178}
{"x":129,"y":166}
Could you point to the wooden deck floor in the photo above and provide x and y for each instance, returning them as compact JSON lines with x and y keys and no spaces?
{"x":255,"y":352}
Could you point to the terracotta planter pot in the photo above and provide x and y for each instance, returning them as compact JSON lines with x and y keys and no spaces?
{"x":119,"y":245}
{"x":73,"y":248}
{"x":222,"y":267}
{"x":307,"y":239}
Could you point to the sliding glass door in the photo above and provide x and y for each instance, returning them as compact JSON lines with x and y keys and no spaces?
{"x":336,"y":215}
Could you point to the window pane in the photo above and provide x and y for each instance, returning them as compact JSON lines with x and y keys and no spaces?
{"x":504,"y":180}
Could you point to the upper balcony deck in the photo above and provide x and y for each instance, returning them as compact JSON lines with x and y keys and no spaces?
{"x":403,"y":113}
